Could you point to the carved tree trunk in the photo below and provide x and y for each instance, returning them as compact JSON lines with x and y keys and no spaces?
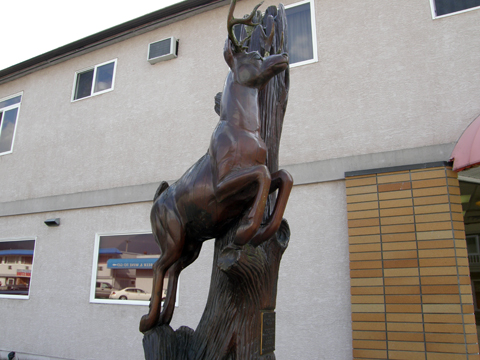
{"x":244,"y":280}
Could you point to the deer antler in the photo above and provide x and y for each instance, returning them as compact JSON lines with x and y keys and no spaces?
{"x":231,"y":22}
{"x":269,"y":42}
{"x":280,"y":49}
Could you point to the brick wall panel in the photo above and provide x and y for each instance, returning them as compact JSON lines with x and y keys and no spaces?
{"x":411,"y":294}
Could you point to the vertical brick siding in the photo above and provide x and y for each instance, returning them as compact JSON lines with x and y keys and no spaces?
{"x":410,"y":282}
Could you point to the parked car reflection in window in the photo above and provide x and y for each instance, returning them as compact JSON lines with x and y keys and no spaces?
{"x":130,"y":294}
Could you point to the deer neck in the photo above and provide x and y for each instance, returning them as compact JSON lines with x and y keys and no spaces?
{"x":239,"y":106}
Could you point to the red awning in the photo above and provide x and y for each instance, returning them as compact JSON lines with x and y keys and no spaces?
{"x":466,"y":153}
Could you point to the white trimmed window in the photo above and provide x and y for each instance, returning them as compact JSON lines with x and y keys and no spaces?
{"x":95,"y":80}
{"x":16,"y":264}
{"x":123,"y":269}
{"x":9,"y":109}
{"x":449,"y":7}
{"x":302,"y":41}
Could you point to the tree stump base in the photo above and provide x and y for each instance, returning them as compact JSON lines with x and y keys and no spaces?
{"x":243,"y":288}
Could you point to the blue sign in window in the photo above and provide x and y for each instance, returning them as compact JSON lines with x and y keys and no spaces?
{"x":146,"y":263}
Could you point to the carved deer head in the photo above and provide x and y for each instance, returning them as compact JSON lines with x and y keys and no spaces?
{"x":250,"y":68}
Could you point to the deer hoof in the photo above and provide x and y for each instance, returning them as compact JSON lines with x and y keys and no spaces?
{"x":144,"y":324}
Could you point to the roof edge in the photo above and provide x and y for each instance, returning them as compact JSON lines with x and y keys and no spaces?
{"x":175,"y":12}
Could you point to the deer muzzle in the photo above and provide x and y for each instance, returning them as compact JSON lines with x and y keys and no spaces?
{"x":277,"y":63}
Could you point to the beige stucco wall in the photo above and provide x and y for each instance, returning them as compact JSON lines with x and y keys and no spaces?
{"x":388,"y":77}
{"x":313,"y":304}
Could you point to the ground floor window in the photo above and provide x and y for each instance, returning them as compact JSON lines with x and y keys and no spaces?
{"x":470,"y":197}
{"x":15,"y":275}
{"x":123,"y":268}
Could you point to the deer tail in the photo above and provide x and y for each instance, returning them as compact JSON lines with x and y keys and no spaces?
{"x":163,"y":186}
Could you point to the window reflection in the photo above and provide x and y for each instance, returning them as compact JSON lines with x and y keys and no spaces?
{"x":84,"y":84}
{"x":443,"y":7}
{"x":104,"y":77}
{"x":124,"y":268}
{"x":12,"y":101}
{"x":299,"y":33}
{"x":16,"y":259}
{"x":9,"y":109}
{"x":94,"y":81}
{"x":8,"y":129}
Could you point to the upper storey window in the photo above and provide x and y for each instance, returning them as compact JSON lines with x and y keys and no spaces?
{"x":302,"y":40}
{"x":9,"y":109}
{"x":446,"y":7}
{"x":94,"y":81}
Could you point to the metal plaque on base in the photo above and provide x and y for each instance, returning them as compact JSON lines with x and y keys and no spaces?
{"x":267,"y":342}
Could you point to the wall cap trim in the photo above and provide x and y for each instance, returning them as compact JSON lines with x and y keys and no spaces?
{"x":303,"y":174}
{"x":398,"y":168}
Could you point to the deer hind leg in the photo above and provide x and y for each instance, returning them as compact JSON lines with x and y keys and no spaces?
{"x":188,"y":256}
{"x":171,"y":240}
{"x":283,"y":181}
{"x":237,"y":181}
{"x":150,"y":320}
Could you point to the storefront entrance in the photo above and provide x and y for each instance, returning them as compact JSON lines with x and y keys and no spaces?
{"x":470,"y":195}
{"x":466,"y":161}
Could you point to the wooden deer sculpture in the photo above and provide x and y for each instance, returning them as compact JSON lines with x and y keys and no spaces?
{"x":228,"y":186}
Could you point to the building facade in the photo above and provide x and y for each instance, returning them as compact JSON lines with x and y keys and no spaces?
{"x":384,"y":247}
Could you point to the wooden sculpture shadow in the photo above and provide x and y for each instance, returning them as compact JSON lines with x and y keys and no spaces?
{"x":230,"y":184}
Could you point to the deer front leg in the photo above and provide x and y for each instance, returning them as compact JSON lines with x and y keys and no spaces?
{"x":237,"y":181}
{"x":283,"y":181}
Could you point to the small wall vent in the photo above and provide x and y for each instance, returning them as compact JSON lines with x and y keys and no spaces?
{"x":162,"y":50}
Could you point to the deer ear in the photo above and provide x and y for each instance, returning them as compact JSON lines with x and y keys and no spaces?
{"x":228,"y":53}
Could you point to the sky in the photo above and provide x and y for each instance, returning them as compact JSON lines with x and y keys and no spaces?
{"x":31,"y":27}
